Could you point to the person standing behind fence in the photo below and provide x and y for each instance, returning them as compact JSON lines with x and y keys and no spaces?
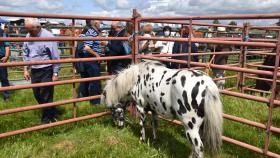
{"x":165,"y":47}
{"x":183,"y":47}
{"x":40,"y":51}
{"x":220,"y":59}
{"x":90,"y":68}
{"x":147,"y":46}
{"x":4,"y":57}
{"x":117,"y":48}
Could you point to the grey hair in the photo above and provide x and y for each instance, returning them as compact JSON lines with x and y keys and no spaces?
{"x":93,"y":22}
{"x":121,"y":24}
{"x":32,"y":21}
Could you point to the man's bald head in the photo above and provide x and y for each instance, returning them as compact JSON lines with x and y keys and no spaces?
{"x":32,"y":25}
{"x":117,"y":26}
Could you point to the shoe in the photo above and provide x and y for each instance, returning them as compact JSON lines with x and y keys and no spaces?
{"x":45,"y":120}
{"x":54,"y":119}
{"x":6,"y":100}
{"x":57,"y":113}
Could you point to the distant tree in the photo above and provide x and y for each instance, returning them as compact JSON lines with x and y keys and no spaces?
{"x":202,"y":29}
{"x":278,"y":23}
{"x":247,"y":23}
{"x":232,"y":23}
{"x":216,"y":21}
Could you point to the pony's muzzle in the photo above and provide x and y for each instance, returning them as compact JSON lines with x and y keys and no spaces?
{"x":118,"y":117}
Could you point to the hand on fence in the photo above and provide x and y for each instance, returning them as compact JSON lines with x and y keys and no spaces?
{"x":26,"y":75}
{"x":55,"y":78}
{"x":104,"y":43}
{"x":98,"y":56}
{"x":87,"y":48}
{"x":4,"y":59}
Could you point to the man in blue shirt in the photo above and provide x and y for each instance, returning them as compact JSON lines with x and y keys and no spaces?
{"x":91,"y":68}
{"x":116,"y":48}
{"x":39,"y":51}
{"x":4,"y":57}
{"x":183,"y":47}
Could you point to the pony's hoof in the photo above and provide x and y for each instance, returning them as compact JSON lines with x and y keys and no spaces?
{"x":142,"y":140}
{"x":154,"y":140}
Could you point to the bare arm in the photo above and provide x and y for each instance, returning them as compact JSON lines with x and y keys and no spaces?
{"x":88,"y":49}
{"x":7,"y":54}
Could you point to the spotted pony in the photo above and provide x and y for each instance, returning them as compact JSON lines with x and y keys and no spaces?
{"x":188,"y":95}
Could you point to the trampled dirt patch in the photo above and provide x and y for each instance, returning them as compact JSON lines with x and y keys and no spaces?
{"x":64,"y":145}
{"x":112,"y":140}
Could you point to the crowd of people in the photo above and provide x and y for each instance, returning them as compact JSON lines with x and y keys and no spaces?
{"x":38,"y":51}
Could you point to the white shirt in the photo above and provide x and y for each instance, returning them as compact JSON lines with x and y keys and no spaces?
{"x":165,"y":47}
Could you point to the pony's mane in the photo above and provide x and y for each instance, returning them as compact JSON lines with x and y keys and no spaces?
{"x":119,"y":86}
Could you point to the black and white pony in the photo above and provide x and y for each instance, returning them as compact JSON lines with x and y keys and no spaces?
{"x":188,"y":95}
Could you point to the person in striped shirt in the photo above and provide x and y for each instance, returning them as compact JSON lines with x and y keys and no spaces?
{"x":91,"y":68}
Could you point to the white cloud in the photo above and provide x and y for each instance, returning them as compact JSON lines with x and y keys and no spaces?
{"x":49,"y":4}
{"x":104,"y":4}
{"x":43,"y":5}
{"x":5,"y":8}
{"x":122,"y":4}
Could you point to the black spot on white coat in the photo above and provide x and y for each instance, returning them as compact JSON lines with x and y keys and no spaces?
{"x":195,"y":142}
{"x":183,"y":80}
{"x":190,"y":125}
{"x":164,"y":72}
{"x":200,"y":110}
{"x":182,"y":109}
{"x":194,"y":95}
{"x":185,"y":98}
{"x":193,"y":120}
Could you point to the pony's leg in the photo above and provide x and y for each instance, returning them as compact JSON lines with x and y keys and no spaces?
{"x":142,"y":122}
{"x":154,"y":124}
{"x":197,"y":145}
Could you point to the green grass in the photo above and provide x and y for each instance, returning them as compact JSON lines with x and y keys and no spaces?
{"x":99,"y":138}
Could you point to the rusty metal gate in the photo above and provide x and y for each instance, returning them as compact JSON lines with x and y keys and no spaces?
{"x":242,"y":66}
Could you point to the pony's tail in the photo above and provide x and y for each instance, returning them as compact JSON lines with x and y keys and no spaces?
{"x":213,"y":120}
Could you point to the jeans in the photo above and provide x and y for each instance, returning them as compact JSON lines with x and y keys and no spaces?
{"x":4,"y":81}
{"x":115,"y":66}
{"x":92,"y":88}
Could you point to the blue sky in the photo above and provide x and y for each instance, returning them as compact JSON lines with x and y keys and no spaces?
{"x":123,"y":8}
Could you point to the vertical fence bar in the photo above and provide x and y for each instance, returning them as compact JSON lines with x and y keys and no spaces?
{"x":190,"y":44}
{"x":242,"y":58}
{"x":135,"y":45}
{"x":273,"y":95}
{"x":135,"y":49}
{"x":74,"y":93}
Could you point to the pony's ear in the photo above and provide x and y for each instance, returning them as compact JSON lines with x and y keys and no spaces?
{"x":102,"y":100}
{"x":103,"y":97}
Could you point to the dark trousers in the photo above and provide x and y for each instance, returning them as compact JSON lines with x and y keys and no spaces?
{"x":44,"y":94}
{"x":4,"y":81}
{"x":92,"y":88}
{"x":113,"y":67}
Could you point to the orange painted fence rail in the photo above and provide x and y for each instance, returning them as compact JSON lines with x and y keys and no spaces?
{"x":242,"y":67}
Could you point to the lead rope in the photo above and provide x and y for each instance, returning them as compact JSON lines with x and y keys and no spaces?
{"x":208,"y":65}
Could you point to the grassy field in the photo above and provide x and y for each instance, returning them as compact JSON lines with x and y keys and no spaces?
{"x":99,"y":138}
